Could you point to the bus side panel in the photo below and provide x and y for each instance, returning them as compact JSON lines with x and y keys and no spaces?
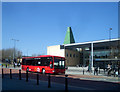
{"x":60,"y":71}
{"x":47,"y":69}
{"x":39,"y":69}
{"x":31,"y":68}
{"x":24,"y":67}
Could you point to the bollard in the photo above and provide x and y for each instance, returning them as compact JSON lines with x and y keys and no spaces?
{"x":2,"y":73}
{"x":19,"y":74}
{"x":49,"y":84}
{"x":6,"y":65}
{"x":83,"y":71}
{"x":26,"y":75}
{"x":66,"y":83}
{"x":37,"y":79}
{"x":10,"y":73}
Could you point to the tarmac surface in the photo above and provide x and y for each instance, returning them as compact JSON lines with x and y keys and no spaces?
{"x":75,"y":82}
{"x":57,"y":82}
{"x":15,"y":84}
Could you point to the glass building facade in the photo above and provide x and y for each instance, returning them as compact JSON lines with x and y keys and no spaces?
{"x":100,"y":53}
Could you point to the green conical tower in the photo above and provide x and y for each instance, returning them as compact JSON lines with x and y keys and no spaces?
{"x":69,"y":38}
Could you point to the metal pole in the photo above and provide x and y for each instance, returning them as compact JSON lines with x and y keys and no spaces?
{"x":14,"y":47}
{"x":91,"y":56}
{"x":49,"y":82}
{"x":66,"y":83}
{"x":109,"y":41}
{"x":84,"y":62}
{"x":10,"y":73}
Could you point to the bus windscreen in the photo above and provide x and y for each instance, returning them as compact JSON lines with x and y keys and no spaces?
{"x":59,"y":63}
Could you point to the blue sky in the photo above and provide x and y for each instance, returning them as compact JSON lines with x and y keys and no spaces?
{"x":38,"y":25}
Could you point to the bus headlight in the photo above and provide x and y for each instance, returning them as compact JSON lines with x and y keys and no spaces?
{"x":53,"y":71}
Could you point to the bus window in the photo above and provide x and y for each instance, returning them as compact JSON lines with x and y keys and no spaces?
{"x":26,"y":62}
{"x":45,"y":61}
{"x":39,"y":62}
{"x":63,"y":63}
{"x":33,"y":62}
{"x":29,"y":62}
{"x":23,"y":62}
{"x":56,"y":64}
{"x":59,"y":63}
{"x":51,"y":64}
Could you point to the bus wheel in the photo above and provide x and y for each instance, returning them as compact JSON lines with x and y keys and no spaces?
{"x":43,"y":71}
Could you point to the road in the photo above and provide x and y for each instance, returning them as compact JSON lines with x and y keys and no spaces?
{"x":73,"y":80}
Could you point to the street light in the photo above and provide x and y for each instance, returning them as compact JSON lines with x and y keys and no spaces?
{"x":15,"y":40}
{"x":110,"y":40}
{"x":110,"y":33}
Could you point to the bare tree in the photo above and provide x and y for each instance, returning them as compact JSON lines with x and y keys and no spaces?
{"x":8,"y":53}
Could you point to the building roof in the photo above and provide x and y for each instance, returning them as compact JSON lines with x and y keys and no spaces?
{"x":42,"y":56}
{"x":69,"y":38}
{"x":96,"y":43}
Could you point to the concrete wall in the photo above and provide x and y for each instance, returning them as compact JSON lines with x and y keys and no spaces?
{"x":70,"y":61}
{"x":55,"y":50}
{"x":72,"y":57}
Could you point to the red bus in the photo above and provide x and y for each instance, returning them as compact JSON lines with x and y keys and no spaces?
{"x":44,"y":64}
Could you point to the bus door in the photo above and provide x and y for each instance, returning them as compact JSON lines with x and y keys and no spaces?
{"x":36,"y":65}
{"x":59,"y":65}
{"x":47,"y":63}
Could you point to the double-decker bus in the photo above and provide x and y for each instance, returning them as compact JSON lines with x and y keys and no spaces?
{"x":44,"y":64}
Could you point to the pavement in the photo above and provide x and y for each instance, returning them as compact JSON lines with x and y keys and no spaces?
{"x":95,"y":77}
{"x":15,"y":84}
{"x":10,"y":67}
{"x":76,"y":82}
{"x":78,"y":72}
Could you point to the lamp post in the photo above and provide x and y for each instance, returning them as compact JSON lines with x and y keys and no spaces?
{"x":27,"y":52}
{"x":110,"y":40}
{"x":110,"y":33}
{"x":15,"y":40}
